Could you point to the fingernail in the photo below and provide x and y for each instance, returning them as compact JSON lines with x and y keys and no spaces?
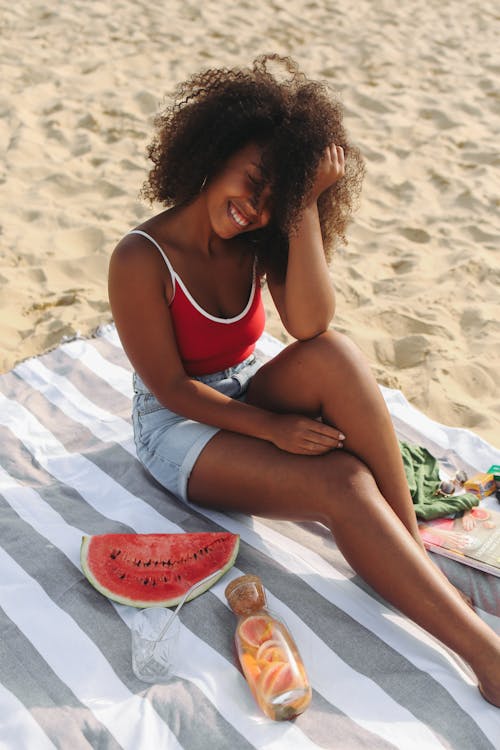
{"x":341,"y":437}
{"x":340,"y":445}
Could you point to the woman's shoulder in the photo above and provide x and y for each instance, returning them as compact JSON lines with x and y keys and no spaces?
{"x":134,"y":249}
{"x":138,"y":257}
{"x":142,"y":241}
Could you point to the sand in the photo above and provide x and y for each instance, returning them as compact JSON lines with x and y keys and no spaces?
{"x":417,"y":286}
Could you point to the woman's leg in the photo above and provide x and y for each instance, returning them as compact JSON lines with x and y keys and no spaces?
{"x":363,"y":498}
{"x":328,"y":376}
{"x":235,"y":472}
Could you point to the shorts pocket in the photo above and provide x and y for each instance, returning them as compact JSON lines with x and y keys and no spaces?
{"x":146,"y":403}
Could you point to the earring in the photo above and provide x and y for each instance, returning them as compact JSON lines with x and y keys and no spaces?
{"x":203,"y":183}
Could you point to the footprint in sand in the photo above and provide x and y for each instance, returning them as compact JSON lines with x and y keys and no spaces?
{"x":441,"y":119}
{"x":62,"y":185}
{"x":474,"y":380}
{"x":403,"y":190}
{"x":403,"y":325}
{"x":479,"y":330}
{"x":405,"y":352}
{"x":467,"y":199}
{"x":146,"y":102}
{"x":30,"y":215}
{"x":472,"y":321}
{"x":80,"y":145}
{"x":488,"y":85}
{"x":99,"y":305}
{"x":478,"y":235}
{"x":490,"y":158}
{"x":372,"y":155}
{"x":59,"y":185}
{"x":415,"y":235}
{"x":404,"y":265}
{"x":127,"y":165}
{"x":80,"y":242}
{"x":441,"y":182}
{"x":37,"y":275}
{"x":368,"y":102}
{"x":108,"y":190}
{"x":88,"y":122}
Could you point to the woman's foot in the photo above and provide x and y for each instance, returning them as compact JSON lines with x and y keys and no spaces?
{"x":492,"y":696}
{"x":489,"y":682}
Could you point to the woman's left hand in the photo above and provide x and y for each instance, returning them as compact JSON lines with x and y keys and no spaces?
{"x":330,"y":169}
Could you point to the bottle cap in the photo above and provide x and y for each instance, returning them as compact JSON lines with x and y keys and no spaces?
{"x":245,"y":594}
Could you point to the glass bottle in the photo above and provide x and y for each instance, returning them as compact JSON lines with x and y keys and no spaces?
{"x":267,"y":652}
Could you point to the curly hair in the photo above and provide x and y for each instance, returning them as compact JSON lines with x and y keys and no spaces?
{"x":219,"y":111}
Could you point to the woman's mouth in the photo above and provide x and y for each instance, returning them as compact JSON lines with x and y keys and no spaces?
{"x":239,"y":219}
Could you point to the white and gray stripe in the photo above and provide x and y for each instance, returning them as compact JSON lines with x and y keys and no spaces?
{"x":68,"y":467}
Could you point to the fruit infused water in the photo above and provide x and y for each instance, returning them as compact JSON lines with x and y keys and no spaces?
{"x":267,"y":652}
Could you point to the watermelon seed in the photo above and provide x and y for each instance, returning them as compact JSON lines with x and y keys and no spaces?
{"x":114,"y":554}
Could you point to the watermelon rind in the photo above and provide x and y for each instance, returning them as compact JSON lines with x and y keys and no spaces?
{"x":113,"y":592}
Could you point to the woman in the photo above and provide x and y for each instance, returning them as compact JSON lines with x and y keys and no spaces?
{"x":259,"y":179}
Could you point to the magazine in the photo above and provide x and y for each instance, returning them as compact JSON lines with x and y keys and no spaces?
{"x":472,"y":538}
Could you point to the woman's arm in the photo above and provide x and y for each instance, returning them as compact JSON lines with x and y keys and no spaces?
{"x":305,"y":300}
{"x":139,"y":286}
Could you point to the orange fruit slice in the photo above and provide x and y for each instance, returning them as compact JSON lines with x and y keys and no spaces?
{"x":255,"y":629}
{"x":250,"y":667}
{"x":271,"y":650}
{"x":277,"y":678}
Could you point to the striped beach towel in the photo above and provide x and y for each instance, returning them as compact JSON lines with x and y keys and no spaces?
{"x":68,"y":467}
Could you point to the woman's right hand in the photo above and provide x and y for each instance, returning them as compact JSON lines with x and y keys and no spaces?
{"x":299,"y":434}
{"x":331,"y":168}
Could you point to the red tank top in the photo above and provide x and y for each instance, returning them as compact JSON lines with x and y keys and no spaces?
{"x":206,"y":343}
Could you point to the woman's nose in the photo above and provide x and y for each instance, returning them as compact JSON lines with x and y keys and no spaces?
{"x":261,"y":207}
{"x":264,"y":215}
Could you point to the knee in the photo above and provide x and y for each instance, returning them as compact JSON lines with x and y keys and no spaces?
{"x":352,"y":476}
{"x":345,"y":483}
{"x":337,"y":348}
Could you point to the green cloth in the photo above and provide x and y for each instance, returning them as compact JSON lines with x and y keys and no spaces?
{"x":422,"y":474}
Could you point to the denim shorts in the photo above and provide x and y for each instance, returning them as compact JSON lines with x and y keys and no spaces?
{"x":168,"y":445}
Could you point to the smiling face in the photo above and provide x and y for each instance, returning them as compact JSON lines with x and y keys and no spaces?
{"x":235,"y":199}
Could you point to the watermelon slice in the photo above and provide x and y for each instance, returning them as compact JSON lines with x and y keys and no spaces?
{"x":155,"y":570}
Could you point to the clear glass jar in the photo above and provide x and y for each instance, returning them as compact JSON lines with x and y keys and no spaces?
{"x":267,"y":652}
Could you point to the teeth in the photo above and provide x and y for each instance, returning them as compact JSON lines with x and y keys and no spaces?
{"x":238,"y":218}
